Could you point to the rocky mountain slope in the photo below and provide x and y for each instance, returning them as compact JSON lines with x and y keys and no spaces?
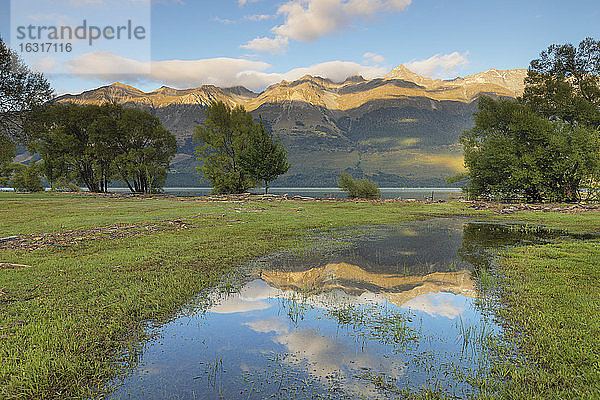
{"x":401,"y":129}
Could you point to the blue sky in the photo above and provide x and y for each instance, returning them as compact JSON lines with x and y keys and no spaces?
{"x":200,"y":42}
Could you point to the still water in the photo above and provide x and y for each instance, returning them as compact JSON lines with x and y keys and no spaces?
{"x":318,"y":193}
{"x":334,"y":193}
{"x":365,"y":313}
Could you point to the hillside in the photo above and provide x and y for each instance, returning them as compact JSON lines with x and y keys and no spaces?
{"x":400,"y":130}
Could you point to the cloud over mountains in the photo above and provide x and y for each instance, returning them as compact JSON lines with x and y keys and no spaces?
{"x":308,"y":20}
{"x":439,"y":65}
{"x":222,"y":72}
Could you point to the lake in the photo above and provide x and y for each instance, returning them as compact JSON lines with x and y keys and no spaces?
{"x":386,"y":193}
{"x":320,"y":193}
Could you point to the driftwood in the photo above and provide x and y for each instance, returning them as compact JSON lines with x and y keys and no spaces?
{"x":13,"y":266}
{"x":500,"y":208}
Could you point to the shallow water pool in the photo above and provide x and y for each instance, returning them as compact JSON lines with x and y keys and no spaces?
{"x":367,"y":313}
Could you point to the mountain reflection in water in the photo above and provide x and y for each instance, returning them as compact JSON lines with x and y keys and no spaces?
{"x":391,"y":309}
{"x":351,"y":279}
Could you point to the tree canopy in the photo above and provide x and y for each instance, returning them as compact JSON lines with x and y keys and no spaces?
{"x":237,"y":151}
{"x":264,"y":158}
{"x":22,"y":92}
{"x":564,"y":83}
{"x":144,"y":149}
{"x":513,"y":152}
{"x":97,"y":144}
{"x":545,"y":145}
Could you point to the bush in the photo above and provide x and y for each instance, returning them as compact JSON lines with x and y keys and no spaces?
{"x":513,"y":152}
{"x":65,"y":186}
{"x":26,"y":178}
{"x":359,"y":189}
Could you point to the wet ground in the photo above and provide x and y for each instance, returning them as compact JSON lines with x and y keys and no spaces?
{"x":363,"y":313}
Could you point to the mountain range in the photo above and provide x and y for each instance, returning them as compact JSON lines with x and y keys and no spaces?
{"x":400,"y":130}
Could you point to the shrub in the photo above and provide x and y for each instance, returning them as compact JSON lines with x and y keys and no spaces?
{"x":359,"y":189}
{"x":26,"y":178}
{"x":65,"y":186}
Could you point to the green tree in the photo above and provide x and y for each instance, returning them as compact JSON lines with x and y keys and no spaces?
{"x":264,"y":157}
{"x":61,"y":134}
{"x":99,"y":143}
{"x":514,"y":152}
{"x":145,"y":149}
{"x":104,"y":147}
{"x":223,"y":138}
{"x":26,"y":178}
{"x":564,"y":83}
{"x":22,"y":92}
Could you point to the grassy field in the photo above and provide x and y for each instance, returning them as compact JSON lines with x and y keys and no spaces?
{"x":551,"y":295}
{"x":79,"y":306}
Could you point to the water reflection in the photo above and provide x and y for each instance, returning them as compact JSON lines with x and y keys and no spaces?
{"x":353,"y":280}
{"x":373,"y":317}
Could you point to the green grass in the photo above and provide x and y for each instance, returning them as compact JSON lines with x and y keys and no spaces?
{"x":552,"y":299}
{"x":67,"y":319}
{"x":70,"y":322}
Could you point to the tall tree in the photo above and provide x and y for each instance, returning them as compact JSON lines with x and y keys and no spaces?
{"x":101,"y":143}
{"x":22,"y":92}
{"x":544,"y":146}
{"x":61,"y":134}
{"x":145,"y":149}
{"x":514,"y":152}
{"x":104,"y":149}
{"x":564,"y":83}
{"x":223,"y":138}
{"x":264,"y":158}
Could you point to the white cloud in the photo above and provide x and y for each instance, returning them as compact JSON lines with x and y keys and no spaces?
{"x":439,"y":66}
{"x":276,"y":45}
{"x":337,"y":71}
{"x":258,"y":17}
{"x":439,"y":304}
{"x":374,"y":58}
{"x":251,"y":298}
{"x":225,"y":21}
{"x":44,"y":64}
{"x":308,"y":20}
{"x":222,"y":72}
{"x":105,"y":64}
{"x":270,"y":325}
{"x":237,"y":305}
{"x":244,"y":2}
{"x":325,"y":356}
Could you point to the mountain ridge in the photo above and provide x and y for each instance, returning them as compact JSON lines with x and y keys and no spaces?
{"x":500,"y":82}
{"x":401,"y":129}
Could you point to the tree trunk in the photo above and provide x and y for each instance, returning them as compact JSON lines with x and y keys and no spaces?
{"x":129,"y":185}
{"x":266,"y":187}
{"x":125,"y":179}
